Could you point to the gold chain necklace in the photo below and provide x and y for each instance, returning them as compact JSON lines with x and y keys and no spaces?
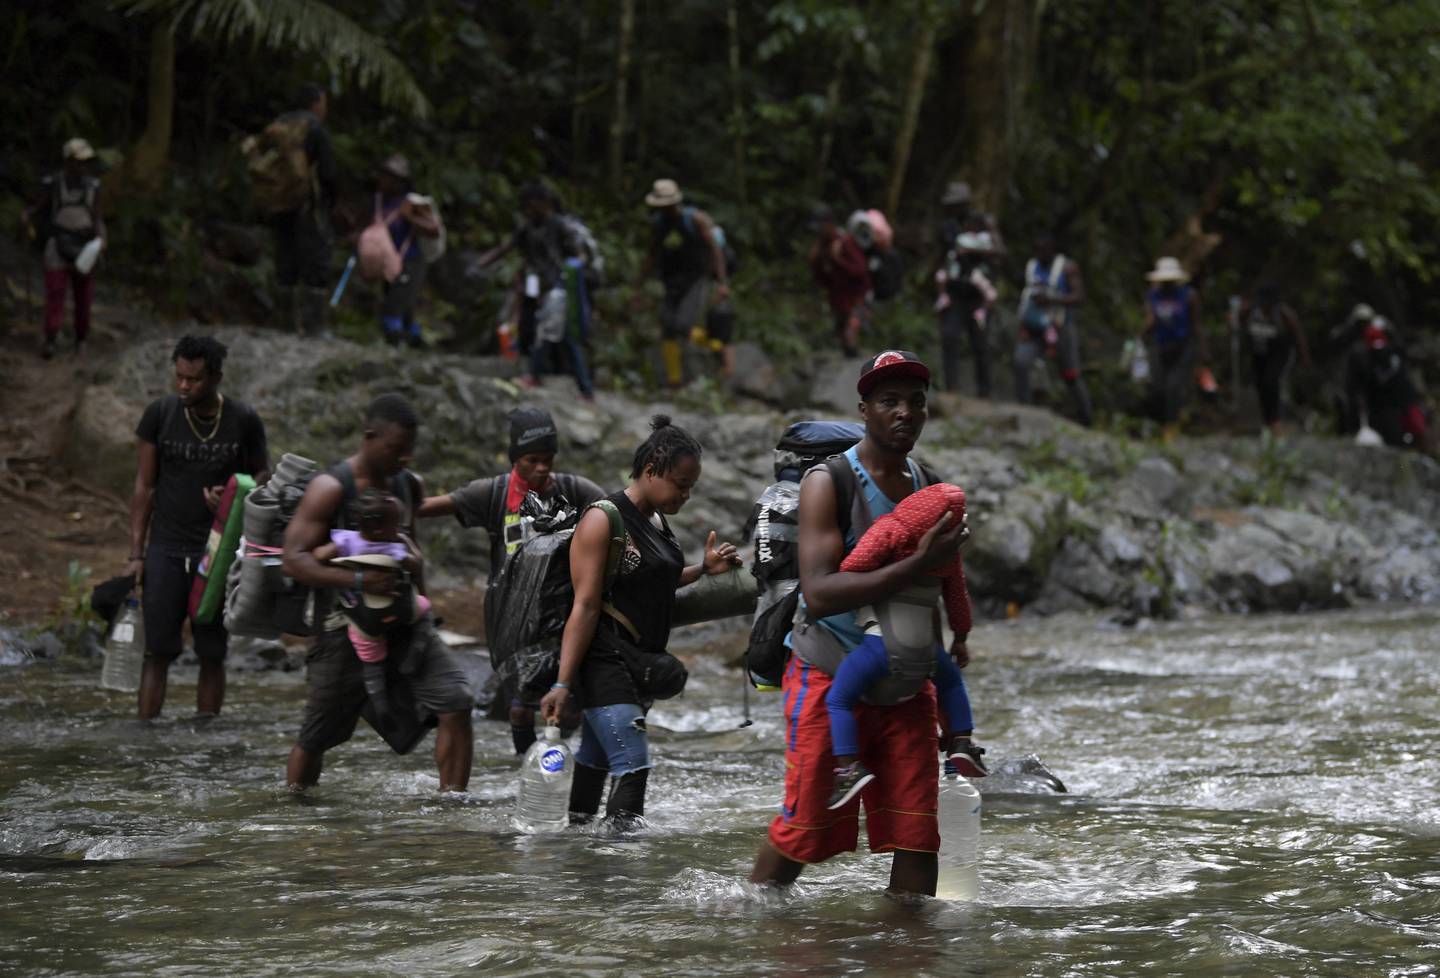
{"x":214,"y":429}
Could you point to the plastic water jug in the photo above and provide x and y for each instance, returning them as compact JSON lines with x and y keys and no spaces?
{"x":545,"y":776}
{"x":125,"y":650}
{"x":959,"y":839}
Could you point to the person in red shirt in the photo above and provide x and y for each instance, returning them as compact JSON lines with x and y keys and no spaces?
{"x":839,"y":266}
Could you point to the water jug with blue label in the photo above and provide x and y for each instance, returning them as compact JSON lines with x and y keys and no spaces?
{"x":545,"y":776}
{"x":959,"y":839}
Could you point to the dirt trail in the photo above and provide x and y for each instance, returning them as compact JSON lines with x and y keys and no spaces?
{"x":49,"y":515}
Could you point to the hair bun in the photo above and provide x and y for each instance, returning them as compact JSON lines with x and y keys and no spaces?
{"x":659,"y":421}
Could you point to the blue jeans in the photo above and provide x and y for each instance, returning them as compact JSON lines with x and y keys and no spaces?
{"x":612,"y":738}
{"x":572,"y":352}
{"x":866,"y":665}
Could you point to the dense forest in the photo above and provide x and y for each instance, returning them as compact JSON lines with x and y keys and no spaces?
{"x":1289,"y":141}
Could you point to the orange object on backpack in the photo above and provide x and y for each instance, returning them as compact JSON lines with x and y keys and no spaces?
{"x":1205,"y":380}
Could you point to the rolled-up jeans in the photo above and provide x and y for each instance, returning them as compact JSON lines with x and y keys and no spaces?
{"x":613,"y":739}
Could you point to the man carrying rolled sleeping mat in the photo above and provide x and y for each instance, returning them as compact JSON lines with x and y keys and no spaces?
{"x":191,"y":443}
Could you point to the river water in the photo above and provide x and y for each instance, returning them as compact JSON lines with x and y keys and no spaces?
{"x":1249,"y":796}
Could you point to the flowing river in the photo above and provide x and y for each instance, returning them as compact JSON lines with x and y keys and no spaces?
{"x":1249,"y":796}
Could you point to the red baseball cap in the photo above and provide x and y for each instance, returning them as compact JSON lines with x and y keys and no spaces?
{"x":891,"y":363}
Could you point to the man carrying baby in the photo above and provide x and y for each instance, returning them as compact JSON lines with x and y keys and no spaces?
{"x":897,"y":730}
{"x":435,"y":686}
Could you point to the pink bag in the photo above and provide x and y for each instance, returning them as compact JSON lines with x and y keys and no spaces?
{"x":375,"y":250}
{"x":880,"y":228}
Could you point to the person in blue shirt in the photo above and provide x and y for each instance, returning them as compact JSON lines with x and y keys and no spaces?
{"x":407,"y":223}
{"x":1172,"y":325}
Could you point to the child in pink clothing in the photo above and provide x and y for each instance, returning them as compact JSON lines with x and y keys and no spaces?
{"x":377,"y":514}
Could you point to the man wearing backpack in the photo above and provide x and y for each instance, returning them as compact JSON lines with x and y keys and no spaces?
{"x":839,"y":265}
{"x":71,"y":221}
{"x":190,"y":444}
{"x":688,"y":258}
{"x":434,"y":686}
{"x":550,"y":286}
{"x":898,"y":741}
{"x":493,"y":504}
{"x":967,"y":240}
{"x":1049,"y":314}
{"x":299,"y":200}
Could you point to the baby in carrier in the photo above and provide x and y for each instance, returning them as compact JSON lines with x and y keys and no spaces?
{"x":373,"y":618}
{"x":893,"y":537}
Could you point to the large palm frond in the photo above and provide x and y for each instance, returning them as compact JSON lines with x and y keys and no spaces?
{"x":305,"y":25}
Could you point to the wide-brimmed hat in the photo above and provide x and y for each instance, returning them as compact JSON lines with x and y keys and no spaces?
{"x":664,"y":193}
{"x":891,"y":363}
{"x":1168,"y":270}
{"x":397,"y":166}
{"x":77,"y":149}
{"x":1363,"y":311}
{"x":956,"y":192}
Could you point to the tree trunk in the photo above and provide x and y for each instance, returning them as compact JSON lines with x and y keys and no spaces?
{"x":832,"y":110}
{"x":737,"y":106}
{"x":920,"y":58}
{"x":622,"y":77}
{"x":996,"y":78}
{"x":577,"y":105}
{"x":144,"y":171}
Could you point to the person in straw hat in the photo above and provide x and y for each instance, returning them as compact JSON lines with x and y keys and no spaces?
{"x":73,"y":230}
{"x":685,"y":252}
{"x":1172,"y":324}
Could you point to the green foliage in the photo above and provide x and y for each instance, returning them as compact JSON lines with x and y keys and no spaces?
{"x":72,"y":609}
{"x":1277,"y":472}
{"x":305,"y":26}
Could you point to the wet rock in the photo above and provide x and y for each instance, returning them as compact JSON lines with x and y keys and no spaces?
{"x":1010,"y":552}
{"x":1157,"y":480}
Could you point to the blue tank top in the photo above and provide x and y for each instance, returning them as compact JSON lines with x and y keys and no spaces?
{"x":844,"y":626}
{"x":1172,"y":314}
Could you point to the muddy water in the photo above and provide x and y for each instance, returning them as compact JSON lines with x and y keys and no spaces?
{"x":1249,"y":797}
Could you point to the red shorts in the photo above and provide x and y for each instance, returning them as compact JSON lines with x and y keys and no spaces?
{"x":898,"y":743}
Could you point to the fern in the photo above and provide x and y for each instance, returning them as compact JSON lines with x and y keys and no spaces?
{"x":303,"y":25}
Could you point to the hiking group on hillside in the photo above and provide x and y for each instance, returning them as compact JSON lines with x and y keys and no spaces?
{"x":549,"y":311}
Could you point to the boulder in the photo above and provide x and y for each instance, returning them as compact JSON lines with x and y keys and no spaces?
{"x":1010,"y":550}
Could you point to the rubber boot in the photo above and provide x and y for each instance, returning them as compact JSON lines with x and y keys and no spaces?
{"x":285,"y":302}
{"x":585,"y":792}
{"x":671,"y":356}
{"x":626,"y":806}
{"x":314,"y":305}
{"x":1082,"y":402}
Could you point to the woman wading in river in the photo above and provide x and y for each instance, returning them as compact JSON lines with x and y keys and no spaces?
{"x":625,"y":566}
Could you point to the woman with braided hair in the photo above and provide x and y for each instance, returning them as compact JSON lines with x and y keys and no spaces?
{"x":608,"y":624}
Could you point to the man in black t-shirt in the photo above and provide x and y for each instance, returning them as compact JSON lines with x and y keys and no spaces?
{"x":191,"y":442}
{"x":493,"y":504}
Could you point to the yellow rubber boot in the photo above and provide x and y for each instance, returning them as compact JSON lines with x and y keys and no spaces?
{"x":670,"y":354}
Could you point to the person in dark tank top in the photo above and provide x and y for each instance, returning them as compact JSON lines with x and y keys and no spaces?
{"x":640,"y":602}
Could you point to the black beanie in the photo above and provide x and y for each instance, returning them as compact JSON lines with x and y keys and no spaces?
{"x":532,"y":432}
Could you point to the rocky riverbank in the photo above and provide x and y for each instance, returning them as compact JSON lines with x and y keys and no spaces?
{"x":1063,"y":518}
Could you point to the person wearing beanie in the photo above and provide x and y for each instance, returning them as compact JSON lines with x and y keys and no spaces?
{"x":493,"y":503}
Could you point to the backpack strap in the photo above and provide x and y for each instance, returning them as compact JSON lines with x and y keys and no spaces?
{"x":499,"y":494}
{"x":843,"y":476}
{"x":345,"y":475}
{"x":614,"y":553}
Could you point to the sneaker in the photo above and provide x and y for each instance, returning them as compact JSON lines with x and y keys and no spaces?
{"x":849,"y":780}
{"x":529,"y":381}
{"x":48,"y":350}
{"x":965,"y":759}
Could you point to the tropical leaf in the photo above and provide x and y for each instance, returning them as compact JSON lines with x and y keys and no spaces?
{"x":302,"y":25}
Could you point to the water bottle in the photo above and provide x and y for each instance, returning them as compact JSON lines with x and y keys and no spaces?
{"x":125,"y":650}
{"x":959,"y":839}
{"x":545,"y":776}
